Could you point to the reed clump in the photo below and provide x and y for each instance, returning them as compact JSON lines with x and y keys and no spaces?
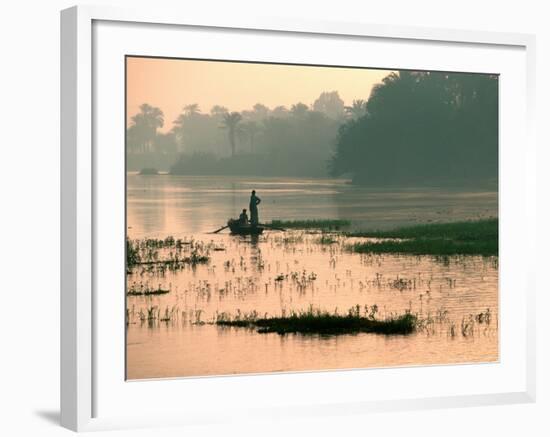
{"x":165,"y":254}
{"x":322,"y":322}
{"x":145,"y":290}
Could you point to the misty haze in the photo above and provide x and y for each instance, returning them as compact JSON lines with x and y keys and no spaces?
{"x":285,"y":217}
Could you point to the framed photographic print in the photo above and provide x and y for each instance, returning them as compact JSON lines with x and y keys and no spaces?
{"x":332,"y":217}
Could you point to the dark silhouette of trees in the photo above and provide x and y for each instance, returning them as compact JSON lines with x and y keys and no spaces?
{"x":415,"y":128}
{"x":218,"y":111}
{"x":330,"y":104}
{"x":181,"y":124}
{"x":299,"y":109}
{"x":250,"y":129}
{"x":146,"y":146}
{"x":231,"y":122}
{"x":166,"y":143}
{"x":144,"y":127}
{"x":198,"y":132}
{"x":279,"y":112}
{"x":271,"y":142}
{"x":179,"y":128}
{"x":423,"y":128}
{"x":357,"y":109}
{"x":192,"y":110}
{"x":260,"y":111}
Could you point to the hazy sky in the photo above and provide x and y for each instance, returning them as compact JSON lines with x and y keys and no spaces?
{"x":170,"y":84}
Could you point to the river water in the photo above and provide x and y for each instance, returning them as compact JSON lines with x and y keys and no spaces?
{"x":277,"y":273}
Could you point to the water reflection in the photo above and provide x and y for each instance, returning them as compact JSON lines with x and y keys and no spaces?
{"x":241,"y":277}
{"x":160,"y":205}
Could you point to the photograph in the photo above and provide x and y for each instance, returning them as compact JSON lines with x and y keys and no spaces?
{"x":304,"y":218}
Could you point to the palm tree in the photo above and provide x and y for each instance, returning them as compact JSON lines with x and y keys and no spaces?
{"x":182,"y":123}
{"x":230,"y":122}
{"x":218,"y":111}
{"x":145,"y":124}
{"x":357,"y":109}
{"x":395,"y":90}
{"x":192,"y":109}
{"x":178,"y":130}
{"x":154,"y":115}
{"x":250,"y":129}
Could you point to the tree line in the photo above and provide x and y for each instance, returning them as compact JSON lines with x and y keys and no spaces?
{"x":280,"y":141}
{"x":423,"y":128}
{"x":414,"y":128}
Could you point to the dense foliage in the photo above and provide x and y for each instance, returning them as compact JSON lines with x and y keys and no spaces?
{"x":423,"y":127}
{"x":280,"y":141}
{"x":415,"y":128}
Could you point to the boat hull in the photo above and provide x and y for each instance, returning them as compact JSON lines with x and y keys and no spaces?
{"x":240,"y":229}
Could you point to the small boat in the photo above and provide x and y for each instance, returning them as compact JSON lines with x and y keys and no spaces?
{"x":238,"y":228}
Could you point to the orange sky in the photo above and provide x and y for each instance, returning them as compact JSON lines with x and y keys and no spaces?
{"x":171,"y":84}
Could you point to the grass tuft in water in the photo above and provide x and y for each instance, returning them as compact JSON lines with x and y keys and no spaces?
{"x":165,"y":254}
{"x":132,"y":253}
{"x":327,"y":239}
{"x":141,"y":290}
{"x":318,"y":322}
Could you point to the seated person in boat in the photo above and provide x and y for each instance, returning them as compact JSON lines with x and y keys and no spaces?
{"x":243,"y":218}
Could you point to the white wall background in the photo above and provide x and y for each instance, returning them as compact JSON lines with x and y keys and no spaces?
{"x":29,"y":190}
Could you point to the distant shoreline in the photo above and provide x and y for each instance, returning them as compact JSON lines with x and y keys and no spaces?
{"x":482,"y":185}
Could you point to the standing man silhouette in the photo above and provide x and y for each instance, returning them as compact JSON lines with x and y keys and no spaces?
{"x":253,"y":208}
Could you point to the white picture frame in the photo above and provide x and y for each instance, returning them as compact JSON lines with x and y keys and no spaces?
{"x":83,"y":237}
